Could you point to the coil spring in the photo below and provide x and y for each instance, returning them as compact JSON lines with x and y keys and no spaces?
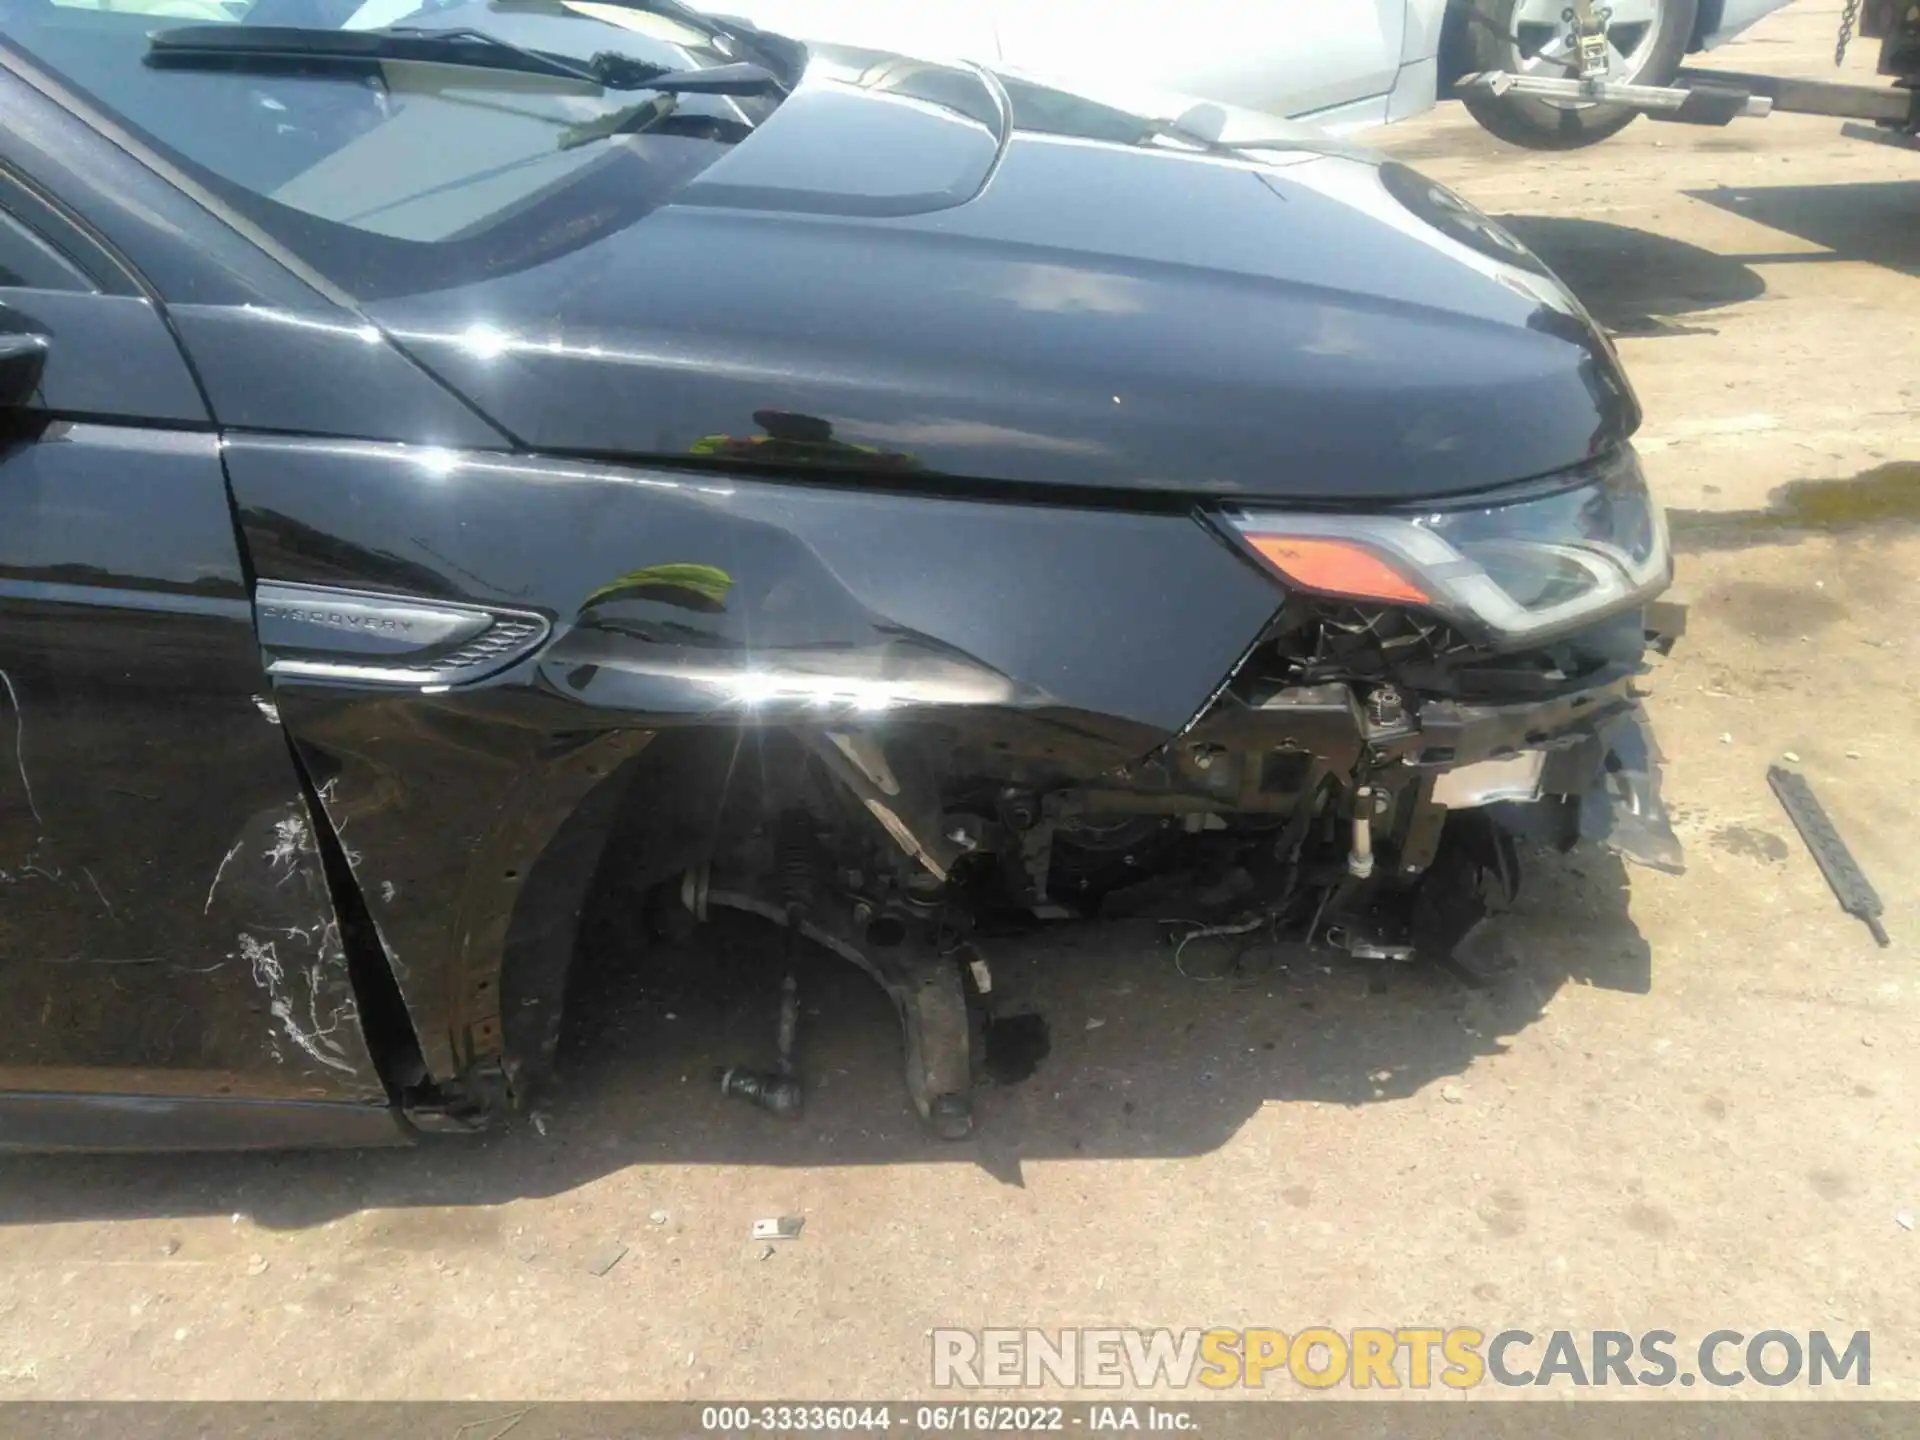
{"x":796,"y":860}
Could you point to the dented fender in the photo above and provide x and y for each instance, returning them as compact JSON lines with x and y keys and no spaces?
{"x":669,"y":601}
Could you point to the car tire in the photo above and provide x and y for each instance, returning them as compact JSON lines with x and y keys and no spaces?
{"x":1490,"y":41}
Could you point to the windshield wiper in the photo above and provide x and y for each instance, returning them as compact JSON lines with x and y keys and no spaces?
{"x":629,"y":120}
{"x":292,"y":47}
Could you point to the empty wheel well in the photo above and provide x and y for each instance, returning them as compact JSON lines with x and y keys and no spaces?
{"x":648,"y":820}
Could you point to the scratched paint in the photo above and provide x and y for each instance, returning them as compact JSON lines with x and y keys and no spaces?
{"x":310,"y":1010}
{"x":269,"y":886}
{"x":20,"y":745}
{"x":297,"y":1007}
{"x":291,"y":838}
{"x":99,"y":894}
{"x":141,"y":766}
{"x":225,"y":860}
{"x":32,"y":869}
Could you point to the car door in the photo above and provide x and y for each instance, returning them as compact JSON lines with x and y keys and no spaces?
{"x":1285,"y":57}
{"x":166,"y":928}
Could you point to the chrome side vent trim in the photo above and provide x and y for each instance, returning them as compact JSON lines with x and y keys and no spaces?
{"x":317,"y":632}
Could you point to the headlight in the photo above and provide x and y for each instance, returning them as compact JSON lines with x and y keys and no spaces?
{"x":1530,"y":563}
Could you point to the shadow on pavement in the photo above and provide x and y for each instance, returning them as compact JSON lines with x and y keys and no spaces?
{"x":1143,"y":1063}
{"x":1873,"y":223}
{"x":1634,"y":282}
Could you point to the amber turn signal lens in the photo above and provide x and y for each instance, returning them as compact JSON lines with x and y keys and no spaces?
{"x":1338,"y":567}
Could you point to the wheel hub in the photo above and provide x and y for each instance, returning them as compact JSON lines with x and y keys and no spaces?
{"x":1544,"y":40}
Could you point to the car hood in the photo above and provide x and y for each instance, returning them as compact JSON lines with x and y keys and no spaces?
{"x":917,"y":269}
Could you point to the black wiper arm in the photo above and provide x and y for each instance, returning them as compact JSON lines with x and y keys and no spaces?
{"x":738,"y":78}
{"x":282,"y":47}
{"x":622,"y":72}
{"x":295,"y":47}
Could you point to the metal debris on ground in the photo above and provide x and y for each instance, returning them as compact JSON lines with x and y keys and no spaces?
{"x":776,"y":1094}
{"x":658,"y":1217}
{"x":606,"y":1259}
{"x":1850,"y":884}
{"x":1268,"y":921}
{"x":784,"y":1227}
{"x":1904,"y":1219}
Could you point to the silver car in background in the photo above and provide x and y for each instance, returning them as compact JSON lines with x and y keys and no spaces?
{"x":1224,"y":67}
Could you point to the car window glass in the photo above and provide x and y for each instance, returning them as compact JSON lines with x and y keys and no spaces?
{"x":185,"y":11}
{"x":384,"y":174}
{"x":28,"y":262}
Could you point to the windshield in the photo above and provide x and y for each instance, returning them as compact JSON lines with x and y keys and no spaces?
{"x":403,"y":174}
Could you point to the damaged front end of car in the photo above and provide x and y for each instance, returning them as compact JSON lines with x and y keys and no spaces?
{"x":1435,"y":685}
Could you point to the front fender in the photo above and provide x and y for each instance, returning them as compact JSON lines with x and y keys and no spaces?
{"x":636,"y":604}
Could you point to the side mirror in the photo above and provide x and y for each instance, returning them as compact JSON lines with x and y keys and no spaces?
{"x":23,"y":359}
